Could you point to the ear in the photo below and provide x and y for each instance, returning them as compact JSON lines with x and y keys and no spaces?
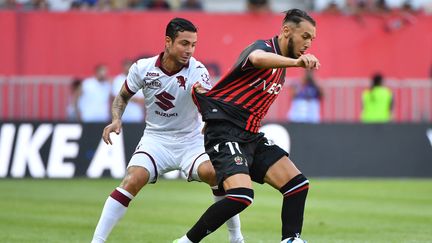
{"x":168,"y":42}
{"x":286,"y":30}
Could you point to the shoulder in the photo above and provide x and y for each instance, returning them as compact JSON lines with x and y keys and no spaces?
{"x":144,"y":64}
{"x":261,"y":45}
{"x":196,"y":66}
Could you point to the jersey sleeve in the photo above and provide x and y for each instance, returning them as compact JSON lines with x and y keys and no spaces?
{"x":133,"y":81}
{"x":201,"y":75}
{"x":244,"y":61}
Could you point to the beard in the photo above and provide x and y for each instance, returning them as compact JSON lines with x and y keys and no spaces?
{"x":291,"y":52}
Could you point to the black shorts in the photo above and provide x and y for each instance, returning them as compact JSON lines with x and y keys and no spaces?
{"x":232,"y":150}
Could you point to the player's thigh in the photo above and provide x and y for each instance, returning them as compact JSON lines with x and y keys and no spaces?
{"x":135,"y":179}
{"x":281,"y":172}
{"x":268,"y":158}
{"x":237,"y":181}
{"x":195,"y":163}
{"x":205,"y":173}
{"x":230,"y":159}
{"x":153,"y":155}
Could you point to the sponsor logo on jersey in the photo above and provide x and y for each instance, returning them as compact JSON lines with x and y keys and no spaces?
{"x":164,"y":100}
{"x":181,"y":81}
{"x":164,"y":114}
{"x":271,"y":88}
{"x":152,"y":84}
{"x":152,"y":74}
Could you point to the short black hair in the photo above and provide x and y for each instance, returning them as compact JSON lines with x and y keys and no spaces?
{"x":296,"y":16}
{"x":179,"y":25}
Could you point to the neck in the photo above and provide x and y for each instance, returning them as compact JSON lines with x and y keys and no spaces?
{"x":282,"y":46}
{"x":169,"y":64}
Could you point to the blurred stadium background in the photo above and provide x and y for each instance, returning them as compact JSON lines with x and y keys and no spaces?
{"x":370,"y":182}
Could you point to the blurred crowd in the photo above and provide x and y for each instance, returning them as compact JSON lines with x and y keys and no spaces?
{"x":326,"y":6}
{"x":91,"y":98}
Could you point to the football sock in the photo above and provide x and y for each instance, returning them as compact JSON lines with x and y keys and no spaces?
{"x":233,"y":224}
{"x":294,"y":192}
{"x":114,"y":209}
{"x":235,"y":201}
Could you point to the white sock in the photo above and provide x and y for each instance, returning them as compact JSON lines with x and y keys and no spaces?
{"x":184,"y":239}
{"x":233,"y":224}
{"x":112,"y":212}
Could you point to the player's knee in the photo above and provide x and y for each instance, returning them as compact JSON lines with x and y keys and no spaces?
{"x":207,"y":173}
{"x":243,"y":196}
{"x":135,"y":180}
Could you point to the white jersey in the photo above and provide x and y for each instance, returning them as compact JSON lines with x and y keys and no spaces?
{"x":168,"y":100}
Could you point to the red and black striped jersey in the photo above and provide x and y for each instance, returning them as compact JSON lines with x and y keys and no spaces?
{"x":244,"y":95}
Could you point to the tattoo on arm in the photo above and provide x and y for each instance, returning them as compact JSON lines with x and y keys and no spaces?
{"x":119,"y":103}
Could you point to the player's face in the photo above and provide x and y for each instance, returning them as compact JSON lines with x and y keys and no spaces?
{"x":183,"y":47}
{"x":298,"y":38}
{"x":102,"y":73}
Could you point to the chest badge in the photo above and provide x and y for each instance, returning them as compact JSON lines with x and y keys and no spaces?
{"x":181,"y":82}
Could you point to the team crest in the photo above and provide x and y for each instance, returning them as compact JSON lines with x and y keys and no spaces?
{"x":238,"y":160}
{"x":181,"y":81}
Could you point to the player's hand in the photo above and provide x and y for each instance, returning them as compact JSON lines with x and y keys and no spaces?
{"x":199,"y":88}
{"x":115,"y":126}
{"x":308,"y":61}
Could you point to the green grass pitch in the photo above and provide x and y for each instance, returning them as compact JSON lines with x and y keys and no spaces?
{"x":337,"y":210}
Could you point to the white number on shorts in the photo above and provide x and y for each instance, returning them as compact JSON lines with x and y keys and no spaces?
{"x":231,"y":147}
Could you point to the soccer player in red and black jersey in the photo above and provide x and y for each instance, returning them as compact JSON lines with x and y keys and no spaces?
{"x":233,"y":110}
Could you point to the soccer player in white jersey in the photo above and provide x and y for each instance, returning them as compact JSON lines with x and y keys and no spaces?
{"x":172,"y":138}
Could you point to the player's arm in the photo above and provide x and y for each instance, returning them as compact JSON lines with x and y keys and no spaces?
{"x":120,"y":102}
{"x":117,"y":109}
{"x":263,"y":59}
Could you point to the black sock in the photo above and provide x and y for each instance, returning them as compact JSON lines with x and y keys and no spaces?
{"x":235,"y":201}
{"x":294,"y":192}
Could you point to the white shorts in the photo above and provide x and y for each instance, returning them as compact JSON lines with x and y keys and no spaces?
{"x":161,"y":154}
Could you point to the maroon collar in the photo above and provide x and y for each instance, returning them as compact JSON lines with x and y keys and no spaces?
{"x":159,"y":65}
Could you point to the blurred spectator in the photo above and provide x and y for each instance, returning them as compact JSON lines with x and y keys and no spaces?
{"x":94,"y":103}
{"x":60,"y":5}
{"x":135,"y":109}
{"x":84,"y":4}
{"x":377,"y":102}
{"x":359,"y":7}
{"x":191,"y":5}
{"x":158,"y":5}
{"x":306,"y":100}
{"x":332,"y":8}
{"x":258,"y":6}
{"x":8,"y":4}
{"x":136,"y":4}
{"x":105,"y":5}
{"x":39,"y":5}
{"x":72,"y":110}
{"x":381,"y":6}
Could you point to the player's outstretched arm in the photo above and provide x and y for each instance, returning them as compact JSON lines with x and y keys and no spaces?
{"x":262,"y":59}
{"x":117,"y":109}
